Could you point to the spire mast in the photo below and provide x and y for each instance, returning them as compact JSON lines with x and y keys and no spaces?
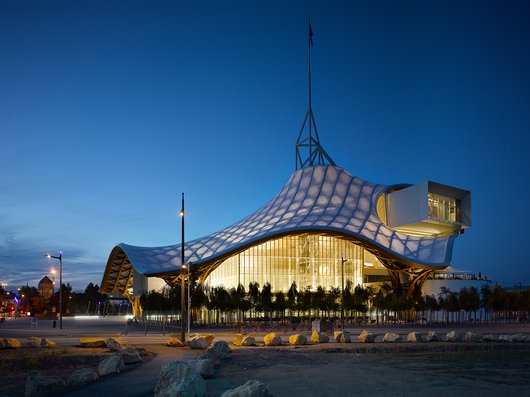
{"x":316,"y":155}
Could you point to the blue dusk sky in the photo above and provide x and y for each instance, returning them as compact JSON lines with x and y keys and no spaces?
{"x":110,"y":109}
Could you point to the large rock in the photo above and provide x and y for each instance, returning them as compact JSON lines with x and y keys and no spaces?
{"x":113,"y":344}
{"x":205,"y":367}
{"x":244,"y":340}
{"x":111,"y":365}
{"x":92,"y":342}
{"x":520,"y":338}
{"x":506,"y":338}
{"x":9,"y":343}
{"x":82,"y":377}
{"x":297,"y":339}
{"x":197,"y":342}
{"x":272,"y":339}
{"x":342,"y":337}
{"x":432,"y":336}
{"x":489,"y":338}
{"x":38,"y":385}
{"x":319,"y":337}
{"x":209,"y":338}
{"x":252,"y":388}
{"x":39,"y":342}
{"x":175,"y":342}
{"x":221,"y":349}
{"x":391,"y":337}
{"x":472,"y":337}
{"x":179,"y":379}
{"x":453,"y":336}
{"x":130,"y":355}
{"x":415,"y":337}
{"x":367,"y":337}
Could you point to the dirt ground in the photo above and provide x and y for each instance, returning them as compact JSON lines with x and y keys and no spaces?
{"x":397,"y":370}
{"x":401,"y":369}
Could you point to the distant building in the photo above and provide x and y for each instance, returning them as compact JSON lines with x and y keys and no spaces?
{"x":46,"y":287}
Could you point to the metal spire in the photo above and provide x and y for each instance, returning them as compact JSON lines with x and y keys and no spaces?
{"x":310,"y":144}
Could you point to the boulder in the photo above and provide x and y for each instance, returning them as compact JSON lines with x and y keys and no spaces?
{"x":209,"y":354}
{"x":432,"y":336}
{"x":244,"y":340}
{"x":319,"y":337}
{"x":367,"y":337}
{"x":220,"y":349}
{"x":111,"y":365}
{"x":39,"y":342}
{"x":506,"y":338}
{"x":342,"y":337}
{"x":391,"y":337}
{"x":38,"y":385}
{"x":92,"y":342}
{"x":297,"y":339}
{"x":9,"y":343}
{"x":272,"y":339}
{"x":175,"y":342}
{"x":113,"y":344}
{"x":415,"y":337}
{"x":209,"y":338}
{"x":489,"y":338}
{"x":251,"y":388}
{"x":82,"y":377}
{"x":179,"y":379}
{"x":472,"y":337}
{"x":205,"y":367}
{"x":453,"y":336}
{"x":197,"y":342}
{"x":130,"y":356}
{"x":520,"y":338}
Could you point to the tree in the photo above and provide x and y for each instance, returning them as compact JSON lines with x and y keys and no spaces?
{"x":266,"y":300}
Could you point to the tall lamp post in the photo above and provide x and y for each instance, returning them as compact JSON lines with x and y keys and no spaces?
{"x":182,"y":277}
{"x":343,"y":259}
{"x":60,"y":257}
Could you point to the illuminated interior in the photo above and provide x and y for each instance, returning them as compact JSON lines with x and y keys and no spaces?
{"x":307,"y":260}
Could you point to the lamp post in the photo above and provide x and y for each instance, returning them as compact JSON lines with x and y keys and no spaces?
{"x":342,"y":291}
{"x":60,"y":257}
{"x":182,"y":277}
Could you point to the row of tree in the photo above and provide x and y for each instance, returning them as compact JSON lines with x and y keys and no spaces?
{"x":219,"y":305}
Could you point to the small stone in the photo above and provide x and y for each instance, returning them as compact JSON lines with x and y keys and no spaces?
{"x":415,"y":337}
{"x":472,"y":337}
{"x":297,"y":339}
{"x":251,"y":388}
{"x":244,"y":340}
{"x":130,"y":355}
{"x":367,"y":337}
{"x":520,"y":338}
{"x":175,"y":342}
{"x":272,"y":339}
{"x":92,"y":342}
{"x":506,"y":338}
{"x":39,"y":342}
{"x":432,"y":336}
{"x":197,"y":342}
{"x":391,"y":337}
{"x":9,"y":343}
{"x":453,"y":336}
{"x":113,"y":344}
{"x":489,"y":338}
{"x":319,"y":337}
{"x":342,"y":337}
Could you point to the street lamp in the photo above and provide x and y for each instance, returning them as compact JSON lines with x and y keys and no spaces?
{"x":343,"y":259}
{"x":60,"y":257}
{"x":182,"y":276}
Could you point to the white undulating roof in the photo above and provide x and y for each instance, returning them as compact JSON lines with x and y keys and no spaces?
{"x":322,"y":199}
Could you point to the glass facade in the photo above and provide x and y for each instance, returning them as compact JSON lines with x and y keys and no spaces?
{"x":443,"y":208}
{"x":308,"y":260}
